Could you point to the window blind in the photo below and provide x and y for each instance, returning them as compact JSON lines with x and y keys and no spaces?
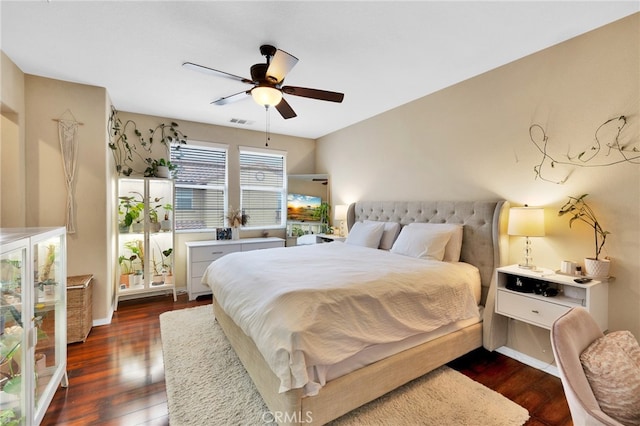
{"x":201,"y":186}
{"x":262,"y":187}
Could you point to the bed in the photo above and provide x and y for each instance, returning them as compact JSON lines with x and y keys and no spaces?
{"x":315,"y":394}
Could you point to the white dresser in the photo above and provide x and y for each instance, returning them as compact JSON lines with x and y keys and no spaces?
{"x":201,"y":253}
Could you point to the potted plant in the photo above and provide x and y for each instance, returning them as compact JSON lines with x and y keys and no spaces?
{"x":166,"y":266}
{"x":129,"y":212}
{"x":578,"y":209}
{"x":159,"y":168}
{"x":322,"y":214}
{"x":154,"y":223}
{"x":236,"y":218}
{"x":166,"y":224}
{"x":158,"y":276}
{"x":125,"y":151}
{"x":136,"y":247}
{"x":126,"y":270}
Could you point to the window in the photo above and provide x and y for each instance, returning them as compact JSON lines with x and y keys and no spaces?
{"x":263,"y":187}
{"x":201,"y":186}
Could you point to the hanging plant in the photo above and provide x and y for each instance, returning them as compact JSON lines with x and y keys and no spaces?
{"x":125,"y":150}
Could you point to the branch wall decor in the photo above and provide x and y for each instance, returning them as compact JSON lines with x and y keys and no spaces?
{"x":598,"y":154}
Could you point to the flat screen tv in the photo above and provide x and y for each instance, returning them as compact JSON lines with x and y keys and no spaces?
{"x":300,"y":207}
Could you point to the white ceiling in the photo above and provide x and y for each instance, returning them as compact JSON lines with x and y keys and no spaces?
{"x":380,"y":54}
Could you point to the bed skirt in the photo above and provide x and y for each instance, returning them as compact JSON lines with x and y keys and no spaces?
{"x":337,"y":397}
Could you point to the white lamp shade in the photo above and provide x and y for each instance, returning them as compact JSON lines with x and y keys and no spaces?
{"x":265,"y":95}
{"x":526,"y":221}
{"x":340,"y":212}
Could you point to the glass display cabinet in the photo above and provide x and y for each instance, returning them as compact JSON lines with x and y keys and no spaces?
{"x":33,"y":321}
{"x":145,"y":237}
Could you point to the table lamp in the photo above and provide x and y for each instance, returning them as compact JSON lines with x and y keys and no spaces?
{"x":339,"y":216}
{"x":526,"y":222}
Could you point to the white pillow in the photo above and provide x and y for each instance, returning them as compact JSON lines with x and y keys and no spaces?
{"x":365,"y":234}
{"x":389,"y":234}
{"x":454,"y":246}
{"x":422,"y":242}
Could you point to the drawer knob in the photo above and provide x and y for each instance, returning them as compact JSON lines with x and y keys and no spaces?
{"x":535,"y":312}
{"x":216,"y":252}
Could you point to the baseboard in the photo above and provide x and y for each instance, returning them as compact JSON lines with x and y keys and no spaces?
{"x":529,"y":360}
{"x":103,"y":321}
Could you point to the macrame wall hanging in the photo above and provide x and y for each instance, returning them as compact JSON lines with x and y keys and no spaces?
{"x":67,"y":131}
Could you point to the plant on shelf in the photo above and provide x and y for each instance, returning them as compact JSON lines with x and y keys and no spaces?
{"x":159,"y":168}
{"x":126,"y":264}
{"x":126,"y":269}
{"x":321,"y":213}
{"x":166,"y":265}
{"x":10,"y":344}
{"x":579,"y":210}
{"x":166,"y":225}
{"x":129,"y":211}
{"x":125,"y":151}
{"x":136,"y":247}
{"x":153,"y":214}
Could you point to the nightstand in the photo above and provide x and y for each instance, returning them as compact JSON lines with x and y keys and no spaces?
{"x":519,"y":296}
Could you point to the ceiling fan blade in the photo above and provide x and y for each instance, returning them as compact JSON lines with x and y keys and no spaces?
{"x":232,"y":98}
{"x":323,"y":95}
{"x":211,"y":71}
{"x":285,"y":110}
{"x":281,"y":63}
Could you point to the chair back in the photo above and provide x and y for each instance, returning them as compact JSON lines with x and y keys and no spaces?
{"x":571,"y":334}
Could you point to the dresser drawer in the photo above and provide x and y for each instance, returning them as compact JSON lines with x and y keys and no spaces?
{"x":210,"y":253}
{"x":260,"y":246}
{"x":529,"y":309}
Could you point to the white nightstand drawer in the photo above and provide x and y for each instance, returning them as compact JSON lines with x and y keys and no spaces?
{"x":210,"y":253}
{"x":536,"y":311}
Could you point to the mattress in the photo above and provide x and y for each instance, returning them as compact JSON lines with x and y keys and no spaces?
{"x":309,"y":308}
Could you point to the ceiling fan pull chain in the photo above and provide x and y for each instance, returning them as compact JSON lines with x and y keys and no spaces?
{"x":268,"y":130}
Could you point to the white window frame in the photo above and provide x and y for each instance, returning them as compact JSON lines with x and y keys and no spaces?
{"x":281,"y":190}
{"x":224,"y":187}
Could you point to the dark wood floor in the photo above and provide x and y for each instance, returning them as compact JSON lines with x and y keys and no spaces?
{"x":116,"y":377}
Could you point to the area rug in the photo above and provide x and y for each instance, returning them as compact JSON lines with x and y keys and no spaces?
{"x":207,"y":385}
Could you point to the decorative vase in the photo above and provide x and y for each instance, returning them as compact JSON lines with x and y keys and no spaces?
{"x":137,"y":279}
{"x":137,"y":227}
{"x":597,"y":268}
{"x":158,"y":279}
{"x":235,"y":233}
{"x":163,"y":172}
{"x":154,"y":226}
{"x":165,"y":225}
{"x":125,"y":280}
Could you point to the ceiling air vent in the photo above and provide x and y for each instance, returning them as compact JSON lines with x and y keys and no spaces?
{"x":241,"y":121}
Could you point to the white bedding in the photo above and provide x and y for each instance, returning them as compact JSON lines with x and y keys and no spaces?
{"x":316,"y":305}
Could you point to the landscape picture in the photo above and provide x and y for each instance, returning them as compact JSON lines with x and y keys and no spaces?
{"x":300,"y":208}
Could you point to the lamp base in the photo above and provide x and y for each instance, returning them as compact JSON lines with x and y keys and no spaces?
{"x":526,"y":266}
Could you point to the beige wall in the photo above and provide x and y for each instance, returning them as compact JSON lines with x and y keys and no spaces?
{"x":88,"y":249}
{"x":471,"y":141}
{"x":12,"y":147}
{"x":300,"y":159}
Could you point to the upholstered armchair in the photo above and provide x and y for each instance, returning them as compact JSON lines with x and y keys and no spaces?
{"x":571,"y":334}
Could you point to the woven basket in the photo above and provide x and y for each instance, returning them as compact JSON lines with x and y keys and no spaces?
{"x":79,"y":308}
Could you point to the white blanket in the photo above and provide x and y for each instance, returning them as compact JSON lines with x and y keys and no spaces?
{"x":316,"y":305}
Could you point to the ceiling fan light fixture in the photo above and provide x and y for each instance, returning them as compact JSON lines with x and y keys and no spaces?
{"x":266,"y":95}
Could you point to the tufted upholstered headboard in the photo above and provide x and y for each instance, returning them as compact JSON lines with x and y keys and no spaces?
{"x":480,"y":219}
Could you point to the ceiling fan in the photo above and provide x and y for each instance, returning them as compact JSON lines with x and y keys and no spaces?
{"x":267,"y":80}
